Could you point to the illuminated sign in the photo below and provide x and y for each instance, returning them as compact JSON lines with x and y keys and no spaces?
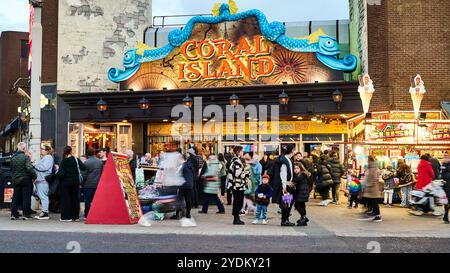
{"x":247,"y":58}
{"x":233,"y":49}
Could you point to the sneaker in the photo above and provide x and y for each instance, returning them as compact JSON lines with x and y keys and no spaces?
{"x":220,"y":212}
{"x":391,"y":206}
{"x":446,"y":221}
{"x":255,"y":222}
{"x":416,"y":212}
{"x":377,"y":219}
{"x":66,"y":221}
{"x":437,"y":213}
{"x":76,"y":220}
{"x":349,"y":207}
{"x":202,"y":212}
{"x":14,"y":218}
{"x":264,"y":222}
{"x":188,"y":222}
{"x":27,"y":217}
{"x":42,"y":216}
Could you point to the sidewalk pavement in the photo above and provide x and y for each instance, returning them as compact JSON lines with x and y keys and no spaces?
{"x":331,"y":221}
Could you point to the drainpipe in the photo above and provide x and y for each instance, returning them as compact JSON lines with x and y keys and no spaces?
{"x":36,"y":67}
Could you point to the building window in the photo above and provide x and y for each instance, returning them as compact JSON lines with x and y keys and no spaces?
{"x":24,"y":48}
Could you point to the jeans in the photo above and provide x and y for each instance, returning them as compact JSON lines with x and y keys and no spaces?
{"x":223,"y":183}
{"x":70,"y":200}
{"x":325,"y":193}
{"x":388,"y":194}
{"x":238,"y":202}
{"x":88,"y":198}
{"x":261,"y":209}
{"x":216,"y":199}
{"x":188,"y":195}
{"x":406,"y":191}
{"x":42,"y":191}
{"x":23,"y":192}
{"x":335,"y":191}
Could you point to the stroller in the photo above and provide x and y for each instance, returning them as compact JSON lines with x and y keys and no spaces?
{"x":426,"y":200}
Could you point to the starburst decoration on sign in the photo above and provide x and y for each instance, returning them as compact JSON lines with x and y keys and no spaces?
{"x":290,"y":67}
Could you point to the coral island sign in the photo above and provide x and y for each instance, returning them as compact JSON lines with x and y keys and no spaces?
{"x":232,"y":49}
{"x":235,"y":61}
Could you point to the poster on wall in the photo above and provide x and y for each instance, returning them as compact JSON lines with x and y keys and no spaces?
{"x":116,"y":200}
{"x":401,"y":132}
{"x":233,"y":49}
{"x":434,"y":132}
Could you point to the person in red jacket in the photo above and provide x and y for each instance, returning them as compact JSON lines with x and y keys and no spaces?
{"x":425,"y":173}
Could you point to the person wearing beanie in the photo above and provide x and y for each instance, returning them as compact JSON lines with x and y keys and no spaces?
{"x":263,"y":194}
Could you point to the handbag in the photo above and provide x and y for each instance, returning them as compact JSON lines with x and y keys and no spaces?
{"x":80,"y":176}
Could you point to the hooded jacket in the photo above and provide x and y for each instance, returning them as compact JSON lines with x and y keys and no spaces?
{"x":425,"y":174}
{"x":324,"y":172}
{"x":337,"y":170}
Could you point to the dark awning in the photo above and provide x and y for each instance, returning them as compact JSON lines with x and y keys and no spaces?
{"x":304,"y":99}
{"x":13,"y":125}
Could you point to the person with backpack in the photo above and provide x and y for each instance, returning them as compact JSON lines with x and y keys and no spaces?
{"x":23,"y":175}
{"x":44,"y":168}
{"x":337,"y":171}
{"x":70,"y":177}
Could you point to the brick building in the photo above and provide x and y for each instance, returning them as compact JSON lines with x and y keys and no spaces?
{"x":405,"y":38}
{"x":13,"y":65}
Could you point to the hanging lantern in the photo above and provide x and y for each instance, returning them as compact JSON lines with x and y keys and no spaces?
{"x":234,"y":100}
{"x":283,"y":98}
{"x":144,"y":104}
{"x":102,"y":105}
{"x":188,"y":102}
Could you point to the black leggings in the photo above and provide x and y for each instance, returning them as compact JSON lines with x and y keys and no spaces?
{"x":373,"y":205}
{"x":301,"y":208}
{"x":238,"y":202}
{"x":286,"y":212}
{"x":223,"y":181}
{"x":446,"y":212}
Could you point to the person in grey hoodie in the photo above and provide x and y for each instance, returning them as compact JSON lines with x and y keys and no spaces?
{"x":91,"y":178}
{"x":389,"y":185}
{"x":43,"y":168}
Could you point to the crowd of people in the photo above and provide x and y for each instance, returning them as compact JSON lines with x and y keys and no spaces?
{"x":249,"y":183}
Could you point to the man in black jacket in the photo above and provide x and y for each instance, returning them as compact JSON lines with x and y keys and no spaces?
{"x":446,"y":177}
{"x":23,"y":174}
{"x":91,"y":178}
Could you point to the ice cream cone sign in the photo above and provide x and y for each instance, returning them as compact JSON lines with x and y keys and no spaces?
{"x":417,"y":91}
{"x":366,"y":91}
